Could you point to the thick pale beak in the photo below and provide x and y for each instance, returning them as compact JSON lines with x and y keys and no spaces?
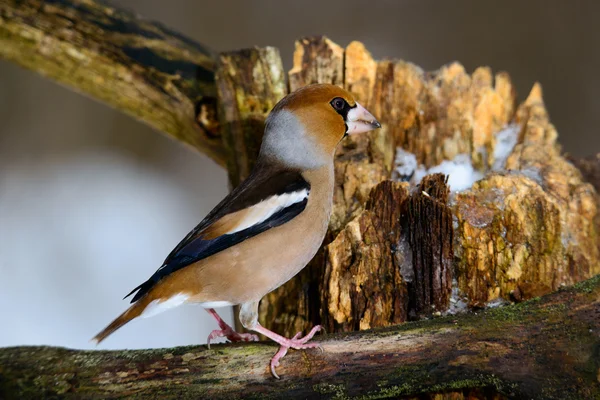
{"x":360,"y":120}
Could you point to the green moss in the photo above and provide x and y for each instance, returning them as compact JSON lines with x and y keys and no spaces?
{"x":587,"y":286}
{"x":415,"y":385}
{"x":338,"y":391}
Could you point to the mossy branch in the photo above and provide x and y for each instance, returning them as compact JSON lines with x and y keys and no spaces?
{"x":139,"y":67}
{"x":546,"y":348}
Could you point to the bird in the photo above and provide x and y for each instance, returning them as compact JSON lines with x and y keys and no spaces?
{"x":268,"y":228}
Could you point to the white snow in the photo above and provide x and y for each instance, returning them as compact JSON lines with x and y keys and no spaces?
{"x":531,"y":173}
{"x":506,"y":140}
{"x":458,"y":301}
{"x":460,"y":171}
{"x":405,"y":164}
{"x":499,"y":302}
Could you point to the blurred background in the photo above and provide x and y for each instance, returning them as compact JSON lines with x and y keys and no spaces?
{"x":91,"y":201}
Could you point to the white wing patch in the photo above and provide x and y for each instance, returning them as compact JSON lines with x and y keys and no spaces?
{"x":157,"y":306}
{"x":216,"y":304}
{"x":262,"y":211}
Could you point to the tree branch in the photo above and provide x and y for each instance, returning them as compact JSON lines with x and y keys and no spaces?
{"x":546,"y":348}
{"x":139,"y":67}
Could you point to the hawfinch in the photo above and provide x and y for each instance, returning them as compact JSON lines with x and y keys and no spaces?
{"x":268,"y":228}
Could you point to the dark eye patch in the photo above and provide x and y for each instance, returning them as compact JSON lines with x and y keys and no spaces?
{"x":338,"y":103}
{"x":341,"y":106}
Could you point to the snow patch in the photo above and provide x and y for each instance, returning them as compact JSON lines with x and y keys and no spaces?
{"x":499,"y":302}
{"x":460,"y":171}
{"x":531,"y":173}
{"x":506,"y":140}
{"x":458,"y":300}
{"x":405,"y":164}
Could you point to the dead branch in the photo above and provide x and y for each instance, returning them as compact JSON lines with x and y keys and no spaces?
{"x":139,"y":67}
{"x":546,"y":348}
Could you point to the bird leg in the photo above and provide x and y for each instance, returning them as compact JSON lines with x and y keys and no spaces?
{"x":296,"y":342}
{"x":227,"y":331}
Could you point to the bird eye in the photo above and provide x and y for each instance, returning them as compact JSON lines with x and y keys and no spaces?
{"x":338,"y":103}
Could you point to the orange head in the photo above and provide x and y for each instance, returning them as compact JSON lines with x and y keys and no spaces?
{"x":305,"y":127}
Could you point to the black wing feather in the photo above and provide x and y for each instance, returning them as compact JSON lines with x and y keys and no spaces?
{"x":263,"y":183}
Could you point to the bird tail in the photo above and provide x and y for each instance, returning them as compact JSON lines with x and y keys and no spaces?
{"x":132,"y":312}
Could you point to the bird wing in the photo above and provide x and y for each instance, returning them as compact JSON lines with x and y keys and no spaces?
{"x":270,"y":197}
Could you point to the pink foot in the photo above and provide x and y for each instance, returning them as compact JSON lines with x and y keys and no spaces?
{"x":227,"y":332}
{"x":231,"y":335}
{"x":296,"y":342}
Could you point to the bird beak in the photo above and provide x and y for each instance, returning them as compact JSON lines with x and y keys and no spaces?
{"x":360,"y":120}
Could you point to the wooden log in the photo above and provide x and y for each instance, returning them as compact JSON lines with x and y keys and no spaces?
{"x":295,"y":306}
{"x":363,"y":285}
{"x":530,"y":229}
{"x":142,"y":68}
{"x":361,"y":162}
{"x":250,"y":82}
{"x":546,"y":348}
{"x":525,"y":230}
{"x":428,"y":223}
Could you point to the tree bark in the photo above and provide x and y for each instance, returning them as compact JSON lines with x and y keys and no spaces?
{"x":250,"y":82}
{"x":547,"y":348}
{"x":524,"y":229}
{"x":139,"y":67}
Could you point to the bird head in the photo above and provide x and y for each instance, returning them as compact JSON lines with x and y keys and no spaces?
{"x":304,"y":128}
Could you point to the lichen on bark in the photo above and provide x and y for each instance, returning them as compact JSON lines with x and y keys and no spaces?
{"x":530,"y":229}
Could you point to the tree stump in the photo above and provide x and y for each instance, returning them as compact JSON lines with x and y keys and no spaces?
{"x":528,"y":226}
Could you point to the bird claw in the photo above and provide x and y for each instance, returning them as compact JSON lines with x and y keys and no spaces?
{"x":297,"y":343}
{"x":232,"y":336}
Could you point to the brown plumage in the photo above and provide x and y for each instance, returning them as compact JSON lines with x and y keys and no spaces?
{"x":132,"y":312}
{"x":267,"y":229}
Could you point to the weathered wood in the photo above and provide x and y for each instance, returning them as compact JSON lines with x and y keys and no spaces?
{"x":530,"y":229}
{"x":589,"y":168}
{"x":523,"y":231}
{"x":363,"y":283}
{"x":543,"y":349}
{"x":139,"y":67}
{"x":361,"y":162}
{"x":250,"y":82}
{"x":428,"y":223}
{"x":295,"y":306}
{"x":317,"y":60}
